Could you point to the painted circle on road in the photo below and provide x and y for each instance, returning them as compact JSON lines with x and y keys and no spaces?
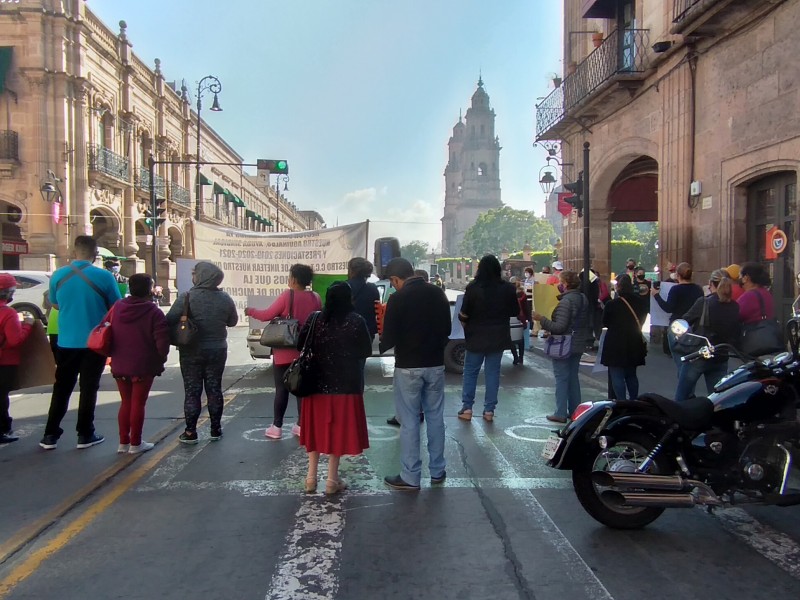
{"x":257,"y":435}
{"x":383,"y":433}
{"x":516,"y":431}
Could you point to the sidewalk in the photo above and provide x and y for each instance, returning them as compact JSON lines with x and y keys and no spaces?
{"x":657,"y":375}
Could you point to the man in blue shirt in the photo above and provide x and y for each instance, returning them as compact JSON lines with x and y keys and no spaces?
{"x":83,"y":294}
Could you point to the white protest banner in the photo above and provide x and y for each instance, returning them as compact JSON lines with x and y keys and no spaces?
{"x":658,"y":316}
{"x":257,"y":264}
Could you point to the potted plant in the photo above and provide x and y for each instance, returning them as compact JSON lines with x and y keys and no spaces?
{"x":597,"y":38}
{"x":556,"y":78}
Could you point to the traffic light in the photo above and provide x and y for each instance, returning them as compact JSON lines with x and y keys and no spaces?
{"x":275,"y":167}
{"x":161,"y":209}
{"x":576,"y":200}
{"x":148,"y":218}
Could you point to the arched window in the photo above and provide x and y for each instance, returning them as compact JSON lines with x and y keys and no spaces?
{"x":482,"y":170}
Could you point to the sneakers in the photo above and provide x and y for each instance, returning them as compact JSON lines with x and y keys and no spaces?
{"x":439,"y":479}
{"x":143,"y":447}
{"x":396,"y":483}
{"x":49,"y":442}
{"x":123,"y":448}
{"x":465,"y":414}
{"x":273,"y":432}
{"x":216,"y":434}
{"x":188,"y":437}
{"x":87,"y":441}
{"x":7,"y":438}
{"x":296,"y":430}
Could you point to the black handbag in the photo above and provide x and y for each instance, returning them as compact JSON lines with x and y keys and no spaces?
{"x":686,"y":344}
{"x":185,"y":330}
{"x":762,"y":337}
{"x":282,"y":332}
{"x":299,"y":378}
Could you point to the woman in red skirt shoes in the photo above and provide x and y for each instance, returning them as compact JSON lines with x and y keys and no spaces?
{"x":139,"y":350}
{"x":12,"y":335}
{"x":333,"y":420}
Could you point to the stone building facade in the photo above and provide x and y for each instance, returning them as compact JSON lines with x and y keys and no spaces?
{"x":472,"y":174}
{"x":83,"y":114}
{"x":691,"y":111}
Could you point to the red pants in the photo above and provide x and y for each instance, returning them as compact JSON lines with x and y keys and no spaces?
{"x":131,"y":411}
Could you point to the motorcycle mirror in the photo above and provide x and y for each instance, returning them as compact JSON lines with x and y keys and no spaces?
{"x":678,"y":327}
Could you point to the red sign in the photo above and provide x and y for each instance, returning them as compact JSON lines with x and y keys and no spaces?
{"x":776,"y":243}
{"x":563,"y":206}
{"x":15,"y":247}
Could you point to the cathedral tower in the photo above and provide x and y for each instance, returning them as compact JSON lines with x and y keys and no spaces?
{"x":472,"y":175}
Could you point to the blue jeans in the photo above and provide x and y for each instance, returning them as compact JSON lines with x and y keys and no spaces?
{"x":676,"y":355}
{"x":491,"y":372}
{"x":622,"y":378}
{"x":568,"y":387}
{"x":691,"y":372}
{"x":415,"y":391}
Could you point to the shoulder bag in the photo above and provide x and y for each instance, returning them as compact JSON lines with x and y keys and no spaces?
{"x":185,"y":331}
{"x":559,"y":347}
{"x":686,"y":344}
{"x":100,"y":338}
{"x":282,"y":332}
{"x":762,"y":337}
{"x":299,"y":377}
{"x":638,"y":323}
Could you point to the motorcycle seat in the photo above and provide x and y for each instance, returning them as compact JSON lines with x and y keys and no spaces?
{"x":694,"y":414}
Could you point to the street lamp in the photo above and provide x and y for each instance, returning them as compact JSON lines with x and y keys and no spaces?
{"x":50,"y":190}
{"x":209,"y":83}
{"x":285,"y":180}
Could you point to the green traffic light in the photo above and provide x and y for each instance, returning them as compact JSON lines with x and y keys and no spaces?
{"x":281,"y":165}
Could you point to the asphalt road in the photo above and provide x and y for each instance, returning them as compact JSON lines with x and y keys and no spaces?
{"x":228,"y":519}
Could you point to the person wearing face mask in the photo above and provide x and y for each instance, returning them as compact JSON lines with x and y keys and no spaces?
{"x":13,"y":334}
{"x":112,"y":266}
{"x":203,"y":362}
{"x":630,"y":268}
{"x":641,"y":288}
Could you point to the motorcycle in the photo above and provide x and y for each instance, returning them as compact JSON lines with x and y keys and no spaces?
{"x":632,"y":459}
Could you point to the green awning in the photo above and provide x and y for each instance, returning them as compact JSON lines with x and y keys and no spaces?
{"x":5,"y":63}
{"x":238,"y":201}
{"x":218,"y":189}
{"x":249,"y":214}
{"x":232,"y":198}
{"x":267,"y":222}
{"x":227,"y":193}
{"x":204,"y":180}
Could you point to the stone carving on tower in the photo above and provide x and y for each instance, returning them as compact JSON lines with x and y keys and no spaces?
{"x":472,"y":175}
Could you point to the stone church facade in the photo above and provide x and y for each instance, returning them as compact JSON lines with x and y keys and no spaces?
{"x":472,"y":175}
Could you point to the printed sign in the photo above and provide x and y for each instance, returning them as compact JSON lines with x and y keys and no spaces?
{"x":257,"y":264}
{"x":776,"y":243}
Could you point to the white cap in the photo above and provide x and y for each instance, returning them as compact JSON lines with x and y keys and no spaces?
{"x":558,"y":266}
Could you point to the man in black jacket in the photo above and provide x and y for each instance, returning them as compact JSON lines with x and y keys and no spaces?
{"x":417,"y":326}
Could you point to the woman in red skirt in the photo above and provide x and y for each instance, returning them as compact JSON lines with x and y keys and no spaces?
{"x":333,"y":420}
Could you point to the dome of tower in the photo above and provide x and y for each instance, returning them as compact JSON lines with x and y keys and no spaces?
{"x":480,"y":99}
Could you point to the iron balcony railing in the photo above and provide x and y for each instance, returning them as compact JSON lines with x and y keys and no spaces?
{"x":624,"y":52}
{"x":9,"y":145}
{"x":103,"y":160}
{"x":681,"y":8}
{"x":143,"y":181}
{"x":179,"y":195}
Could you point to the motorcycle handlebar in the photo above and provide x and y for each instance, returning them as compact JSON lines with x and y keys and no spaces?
{"x":694,"y":355}
{"x":709,"y":351}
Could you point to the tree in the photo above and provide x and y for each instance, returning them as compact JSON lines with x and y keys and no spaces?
{"x":507,"y":228}
{"x":415,"y":252}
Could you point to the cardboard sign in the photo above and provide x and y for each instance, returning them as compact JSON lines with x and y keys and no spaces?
{"x":37,"y":367}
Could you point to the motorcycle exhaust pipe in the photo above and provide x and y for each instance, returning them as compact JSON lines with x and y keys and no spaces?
{"x":640,"y":480}
{"x":644,"y":499}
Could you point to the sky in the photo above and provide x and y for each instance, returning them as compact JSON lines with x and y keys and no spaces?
{"x":360,"y":96}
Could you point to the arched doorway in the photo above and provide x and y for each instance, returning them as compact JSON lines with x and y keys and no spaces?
{"x":106,"y":230}
{"x":633,"y":214}
{"x":11,"y":239}
{"x":175,"y":243}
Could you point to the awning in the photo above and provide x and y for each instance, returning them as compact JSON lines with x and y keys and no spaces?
{"x":249,"y":214}
{"x":5,"y":63}
{"x":204,"y":180}
{"x":218,"y":189}
{"x":238,"y":201}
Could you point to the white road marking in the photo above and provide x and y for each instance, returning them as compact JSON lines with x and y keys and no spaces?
{"x":775,"y":546}
{"x":512,"y":432}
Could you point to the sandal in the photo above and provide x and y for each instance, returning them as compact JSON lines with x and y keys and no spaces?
{"x":311,"y":485}
{"x":465,"y":414}
{"x":334,"y":487}
{"x":488,"y":416}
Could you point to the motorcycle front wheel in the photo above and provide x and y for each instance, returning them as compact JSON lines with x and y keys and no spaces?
{"x":624,"y":456}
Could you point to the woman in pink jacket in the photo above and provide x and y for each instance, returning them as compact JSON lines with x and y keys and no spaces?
{"x":12,"y":335}
{"x":139,"y":349}
{"x":303,"y":303}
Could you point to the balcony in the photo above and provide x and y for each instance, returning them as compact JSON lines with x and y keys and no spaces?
{"x":179,"y":195}
{"x":102,"y":160}
{"x":143,"y":182}
{"x":621,"y":61}
{"x":708,"y":17}
{"x":9,"y":146}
